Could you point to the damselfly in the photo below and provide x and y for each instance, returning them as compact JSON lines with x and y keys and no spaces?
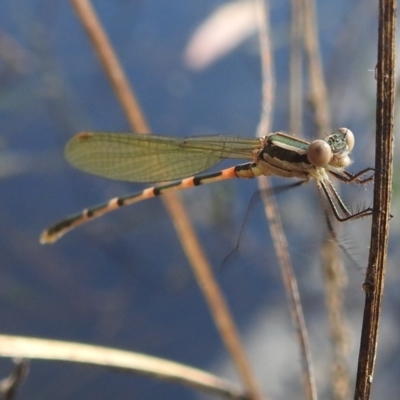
{"x":148,"y":158}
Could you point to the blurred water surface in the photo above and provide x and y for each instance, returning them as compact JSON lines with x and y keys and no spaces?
{"x":123,"y":280}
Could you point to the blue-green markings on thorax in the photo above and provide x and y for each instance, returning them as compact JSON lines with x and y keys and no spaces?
{"x":286,"y":148}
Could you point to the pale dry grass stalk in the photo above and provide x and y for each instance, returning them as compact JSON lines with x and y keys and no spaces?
{"x":318,"y":92}
{"x":296,"y":69}
{"x":334,"y":271}
{"x":183,"y":226}
{"x":272,"y":212}
{"x":117,"y":360}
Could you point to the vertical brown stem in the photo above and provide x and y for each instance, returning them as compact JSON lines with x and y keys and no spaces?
{"x":375,"y":278}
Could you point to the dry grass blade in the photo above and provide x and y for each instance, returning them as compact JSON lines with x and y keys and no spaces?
{"x":318,"y":90}
{"x":296,"y":69}
{"x":43,"y":349}
{"x":272,"y":212}
{"x":187,"y":236}
{"x":374,"y":282}
{"x":108,"y":59}
{"x":291,"y":288}
{"x":334,"y":271}
{"x":336,"y":281}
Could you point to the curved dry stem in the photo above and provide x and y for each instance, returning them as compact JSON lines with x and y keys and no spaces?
{"x":185,"y":231}
{"x":127,"y":361}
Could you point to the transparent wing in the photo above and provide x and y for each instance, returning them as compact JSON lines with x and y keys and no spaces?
{"x":149,"y":158}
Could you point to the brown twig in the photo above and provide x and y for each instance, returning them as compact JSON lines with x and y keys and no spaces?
{"x":272,"y":211}
{"x":110,"y":63}
{"x":375,"y":277}
{"x":185,"y":231}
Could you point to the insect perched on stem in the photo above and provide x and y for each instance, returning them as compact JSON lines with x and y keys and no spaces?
{"x":148,"y":158}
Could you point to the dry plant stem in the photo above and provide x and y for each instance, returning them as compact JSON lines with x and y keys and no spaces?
{"x":319,"y":94}
{"x":104,"y":50}
{"x":296,"y":70}
{"x":272,"y":212}
{"x":374,"y":282}
{"x":336,"y":279}
{"x":267,"y":71}
{"x":185,"y":231}
{"x":9,"y":386}
{"x":120,"y":360}
{"x":291,"y":288}
{"x":212,"y":293}
{"x":334,"y":271}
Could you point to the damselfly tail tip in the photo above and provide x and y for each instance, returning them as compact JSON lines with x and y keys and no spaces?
{"x":48,"y":237}
{"x":45,"y":238}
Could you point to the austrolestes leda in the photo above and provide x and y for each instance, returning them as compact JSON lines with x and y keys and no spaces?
{"x":149,"y":158}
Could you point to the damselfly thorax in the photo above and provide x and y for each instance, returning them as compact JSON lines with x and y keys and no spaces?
{"x":148,"y":158}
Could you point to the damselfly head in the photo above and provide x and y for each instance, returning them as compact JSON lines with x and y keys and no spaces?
{"x":341,"y":142}
{"x":334,"y":150}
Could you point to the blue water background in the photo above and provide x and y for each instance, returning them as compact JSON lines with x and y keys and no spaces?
{"x":123,"y":280}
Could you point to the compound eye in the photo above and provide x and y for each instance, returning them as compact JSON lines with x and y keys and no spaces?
{"x":349,"y":137}
{"x":319,"y":153}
